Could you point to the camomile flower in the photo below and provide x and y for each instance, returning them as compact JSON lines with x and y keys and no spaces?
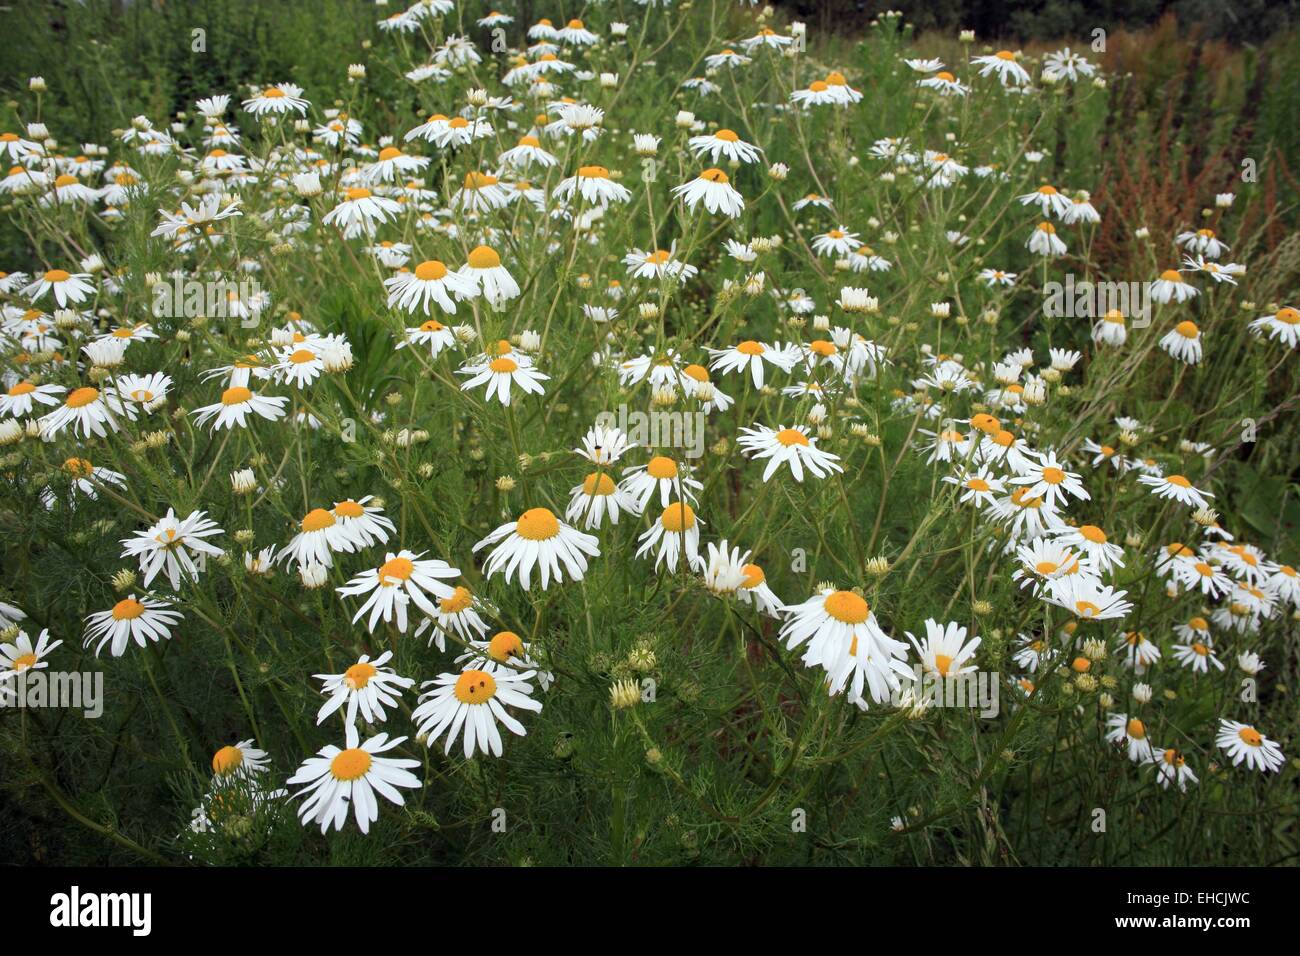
{"x":1285,"y":583}
{"x":576,"y":33}
{"x":752,"y":355}
{"x":836,"y":243}
{"x":431,"y":334}
{"x":597,"y":497}
{"x":339,"y":780}
{"x":1044,"y":241}
{"x":85,"y":477}
{"x":723,"y":568}
{"x":1200,"y":575}
{"x":300,"y":366}
{"x":754,"y":590}
{"x":69,"y":288}
{"x":237,"y":406}
{"x":499,"y":374}
{"x":277,"y":100}
{"x":713,"y":188}
{"x":792,"y":446}
{"x":657,"y":264}
{"x":149,"y":391}
{"x":238,"y":761}
{"x":1110,"y":329}
{"x":812,"y":199}
{"x":458,"y":615}
{"x":817,"y":93}
{"x":1183,"y":342}
{"x":409,"y":290}
{"x":22,"y":656}
{"x":1032,"y":652}
{"x":944,"y":83}
{"x":671,"y":479}
{"x":604,"y":446}
{"x":1171,"y":767}
{"x":90,"y":411}
{"x":1046,"y":479}
{"x":675,"y":532}
{"x":360,"y":212}
{"x":1090,"y":541}
{"x":1172,"y":287}
{"x":1043,"y":561}
{"x":844,"y":638}
{"x":507,"y":649}
{"x":1218,"y":271}
{"x":366,"y":687}
{"x":1131,"y":732}
{"x":1250,"y":663}
{"x":1243,"y":743}
{"x":480,"y":192}
{"x":402,"y":579}
{"x":470,"y":704}
{"x":1048,"y":199}
{"x":171,"y":545}
{"x":1003,"y":65}
{"x":22,"y":396}
{"x":528,"y":152}
{"x":1283,"y":325}
{"x":728,"y":58}
{"x":1178,"y":488}
{"x":944,"y":650}
{"x":139,"y":619}
{"x":68,"y":190}
{"x":491,"y":279}
{"x":1202,"y":242}
{"x":594,"y":185}
{"x":978,"y":487}
{"x":392,"y":163}
{"x":725,"y":143}
{"x":1066,"y":65}
{"x":1197,"y":656}
{"x":538,"y":539}
{"x":495,"y":19}
{"x":364,"y":521}
{"x":1087,"y":598}
{"x":320,"y":536}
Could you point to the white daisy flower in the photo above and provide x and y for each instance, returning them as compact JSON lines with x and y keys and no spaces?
{"x":130,"y":619}
{"x":337,"y":779}
{"x":402,"y":579}
{"x":538,"y":539}
{"x":471,"y":704}
{"x":366,"y":687}
{"x":792,"y":446}
{"x":1243,"y":743}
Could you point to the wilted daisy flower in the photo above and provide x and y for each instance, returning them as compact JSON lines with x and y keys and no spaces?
{"x":712,"y":188}
{"x":792,"y":446}
{"x":675,"y":532}
{"x":944,"y":650}
{"x":1242,"y":742}
{"x":1110,"y":329}
{"x":402,"y":579}
{"x":130,"y":619}
{"x":22,"y":655}
{"x":1044,"y":241}
{"x":1172,"y":287}
{"x":366,"y":687}
{"x":538,"y":539}
{"x":237,"y":406}
{"x":471,"y":704}
{"x":172,"y":545}
{"x":349,"y":778}
{"x":458,"y":615}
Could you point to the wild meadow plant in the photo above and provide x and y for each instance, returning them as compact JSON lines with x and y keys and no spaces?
{"x":639,"y":438}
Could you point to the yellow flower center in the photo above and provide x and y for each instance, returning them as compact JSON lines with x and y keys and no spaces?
{"x":678,"y":517}
{"x":1136,"y":729}
{"x":227,"y":760}
{"x":274,"y":93}
{"x":1171,"y":275}
{"x":818,"y":86}
{"x":1200,"y":649}
{"x":1053,"y":476}
{"x":1288,"y":315}
{"x":127,"y":609}
{"x":350,"y":764}
{"x":593,"y":172}
{"x":661,"y":468}
{"x":24,"y":661}
{"x":941,"y":663}
{"x":81,"y":397}
{"x":1047,"y":568}
{"x":503,"y":365}
{"x":57,"y":275}
{"x":460,"y":599}
{"x":484,"y":258}
{"x":389,"y":152}
{"x":349,"y":509}
{"x":504,"y":646}
{"x":791,"y":436}
{"x":1187,"y":329}
{"x":1005,"y":55}
{"x":475,"y":687}
{"x":537,"y":524}
{"x":479,"y":180}
{"x":22,"y":388}
{"x":977,"y":484}
{"x":78,"y":467}
{"x":714,"y":175}
{"x":1093,"y":534}
{"x":431,"y":270}
{"x":750,"y":347}
{"x":358,"y":675}
{"x":1251,"y":736}
{"x":235,"y":395}
{"x":317,"y":519}
{"x":1178,"y":480}
{"x":847,"y":607}
{"x":65,"y":180}
{"x":396,"y":569}
{"x":357,"y":192}
{"x":754,"y":576}
{"x":598,"y":483}
{"x":727,"y":136}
